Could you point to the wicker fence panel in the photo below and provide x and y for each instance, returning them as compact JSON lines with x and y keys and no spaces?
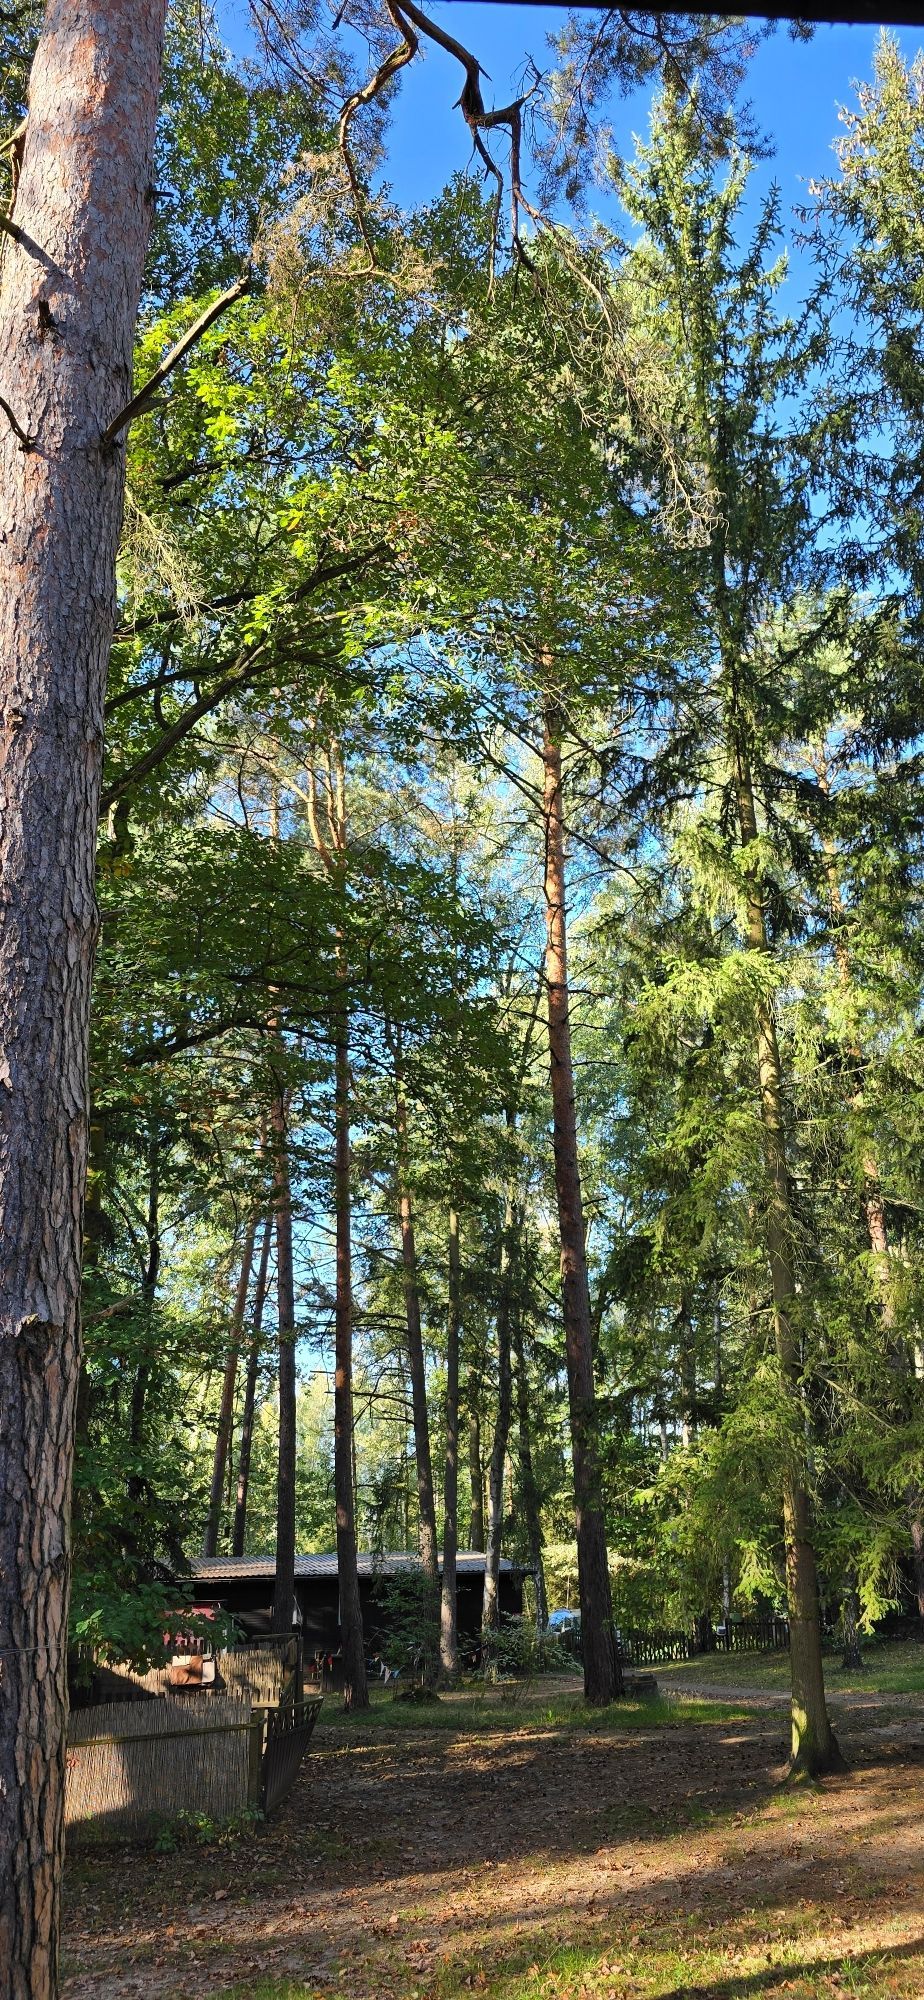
{"x":262,"y":1674}
{"x":265,"y":1673}
{"x":133,"y":1765}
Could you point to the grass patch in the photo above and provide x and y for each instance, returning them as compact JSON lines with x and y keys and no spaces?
{"x":888,"y":1668}
{"x":465,"y":1713}
{"x":465,"y":1717}
{"x":675,"y":1961}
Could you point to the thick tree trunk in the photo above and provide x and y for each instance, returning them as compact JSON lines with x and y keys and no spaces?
{"x":449,"y":1631}
{"x":250,"y":1392}
{"x":69,"y":290}
{"x":284,"y":1589}
{"x":475,"y":1473}
{"x":228,"y":1387}
{"x":602,"y":1672}
{"x":490,"y":1609}
{"x":814,"y":1747}
{"x":529,"y":1494}
{"x":429,"y":1554}
{"x":356,"y":1693}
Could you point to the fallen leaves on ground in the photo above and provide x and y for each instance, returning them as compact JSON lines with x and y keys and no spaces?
{"x":532,"y":1861}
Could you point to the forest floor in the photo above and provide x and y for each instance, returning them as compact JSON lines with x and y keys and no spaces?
{"x":530,"y":1850}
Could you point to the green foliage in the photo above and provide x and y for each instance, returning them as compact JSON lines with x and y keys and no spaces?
{"x":378,"y":528}
{"x":196,"y":1829}
{"x":408,"y":1637}
{"x":517,"y":1651}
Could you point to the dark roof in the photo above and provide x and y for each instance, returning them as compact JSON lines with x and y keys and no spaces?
{"x":223,"y":1569}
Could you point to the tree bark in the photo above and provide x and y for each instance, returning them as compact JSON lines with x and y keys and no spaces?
{"x":852,"y":1660}
{"x":284,"y":1589}
{"x":356,"y":1692}
{"x":69,"y":290}
{"x":250,"y":1392}
{"x":332,"y":850}
{"x":228,"y":1386}
{"x":602,"y":1672}
{"x":529,"y":1493}
{"x":686,"y":1358}
{"x":449,"y":1630}
{"x":141,"y":1384}
{"x":490,"y":1609}
{"x":476,"y":1536}
{"x":814,"y":1746}
{"x":429,"y":1555}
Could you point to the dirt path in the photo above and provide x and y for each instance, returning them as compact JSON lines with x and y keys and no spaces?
{"x":658,"y":1862}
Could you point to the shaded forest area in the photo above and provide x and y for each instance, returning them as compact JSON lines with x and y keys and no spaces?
{"x":505,"y":1067}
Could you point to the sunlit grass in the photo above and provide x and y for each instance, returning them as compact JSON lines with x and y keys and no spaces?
{"x":683,"y":1959}
{"x":888,"y":1668}
{"x":471,"y":1712}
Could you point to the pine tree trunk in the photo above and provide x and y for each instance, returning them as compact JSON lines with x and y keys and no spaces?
{"x":284,"y":1589}
{"x":250,"y":1393}
{"x":602,"y":1672}
{"x":476,"y":1535}
{"x":490,"y":1610}
{"x":852,"y":1660}
{"x":449,"y":1630}
{"x":814,"y":1747}
{"x":429,"y":1554}
{"x":529,"y":1495}
{"x":356,"y":1693}
{"x":141,"y":1384}
{"x":69,"y":290}
{"x":228,"y":1387}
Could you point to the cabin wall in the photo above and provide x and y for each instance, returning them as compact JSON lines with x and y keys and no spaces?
{"x":318,"y":1602}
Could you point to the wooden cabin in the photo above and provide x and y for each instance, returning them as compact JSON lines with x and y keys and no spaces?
{"x":243,"y":1586}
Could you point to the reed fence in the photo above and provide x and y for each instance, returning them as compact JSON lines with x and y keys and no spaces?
{"x":131,"y":1766}
{"x":267,"y":1674}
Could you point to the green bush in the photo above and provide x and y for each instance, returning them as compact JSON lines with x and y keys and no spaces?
{"x":517,"y":1651}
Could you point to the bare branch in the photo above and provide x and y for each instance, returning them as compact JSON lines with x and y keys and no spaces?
{"x":389,"y":67}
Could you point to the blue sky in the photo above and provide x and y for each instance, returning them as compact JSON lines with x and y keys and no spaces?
{"x":795,"y":90}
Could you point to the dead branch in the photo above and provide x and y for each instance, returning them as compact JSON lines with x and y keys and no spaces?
{"x":389,"y":67}
{"x":26,"y":443}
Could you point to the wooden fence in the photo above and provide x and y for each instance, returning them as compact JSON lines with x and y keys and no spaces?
{"x":751,"y":1635}
{"x":654,"y":1649}
{"x":742,"y":1635}
{"x":131,"y":1766}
